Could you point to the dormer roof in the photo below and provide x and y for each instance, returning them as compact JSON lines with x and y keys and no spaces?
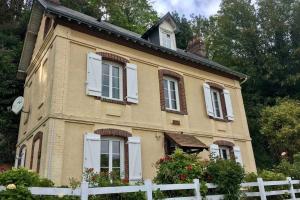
{"x":167,"y":17}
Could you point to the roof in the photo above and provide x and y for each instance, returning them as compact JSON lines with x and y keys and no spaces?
{"x":101,"y":26}
{"x":186,"y":141}
{"x":161,"y":20}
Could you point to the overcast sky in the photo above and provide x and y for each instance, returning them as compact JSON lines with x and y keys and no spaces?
{"x":187,"y":7}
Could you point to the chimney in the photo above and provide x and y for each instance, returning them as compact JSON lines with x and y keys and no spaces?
{"x":197,"y":46}
{"x":54,"y":1}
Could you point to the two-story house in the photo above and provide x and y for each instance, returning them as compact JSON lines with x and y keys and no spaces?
{"x":99,"y":96}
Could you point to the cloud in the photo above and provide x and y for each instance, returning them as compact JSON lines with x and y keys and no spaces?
{"x":187,"y":7}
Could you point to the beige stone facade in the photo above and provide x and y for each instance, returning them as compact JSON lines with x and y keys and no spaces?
{"x":58,"y":106}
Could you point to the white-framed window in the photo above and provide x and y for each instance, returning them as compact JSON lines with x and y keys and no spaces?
{"x":112,"y":87}
{"x":166,"y":39}
{"x":224,"y":153}
{"x":112,"y":156}
{"x":171,"y":93}
{"x":216,"y":103}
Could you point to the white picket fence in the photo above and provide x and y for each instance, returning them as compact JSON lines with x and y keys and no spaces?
{"x":148,"y":187}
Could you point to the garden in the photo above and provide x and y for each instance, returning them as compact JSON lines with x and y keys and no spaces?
{"x":178,"y":168}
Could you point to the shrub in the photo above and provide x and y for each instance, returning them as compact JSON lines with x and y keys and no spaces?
{"x":109,"y":180}
{"x":23,"y":177}
{"x":228,"y":175}
{"x":179,"y":168}
{"x":267,"y":175}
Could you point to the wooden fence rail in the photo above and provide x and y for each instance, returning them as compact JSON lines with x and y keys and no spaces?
{"x":148,"y":187}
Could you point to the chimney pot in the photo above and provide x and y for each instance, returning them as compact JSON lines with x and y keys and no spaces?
{"x":197,"y":46}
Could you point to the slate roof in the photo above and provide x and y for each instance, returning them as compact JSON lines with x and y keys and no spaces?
{"x":64,"y":12}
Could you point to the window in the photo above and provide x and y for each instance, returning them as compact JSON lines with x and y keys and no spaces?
{"x":36,"y":152}
{"x":112,"y":156}
{"x":166,"y":39}
{"x":47,"y":27}
{"x":216,"y":102}
{"x":224,"y":153}
{"x":22,"y":157}
{"x":171,"y":93}
{"x":112,"y":80}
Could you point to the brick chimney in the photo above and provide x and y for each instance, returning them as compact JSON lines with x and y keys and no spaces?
{"x":54,"y":1}
{"x":197,"y":46}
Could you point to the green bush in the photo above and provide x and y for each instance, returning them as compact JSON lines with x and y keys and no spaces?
{"x":266,"y":175}
{"x":228,"y":175}
{"x":110,"y":180}
{"x":179,"y":167}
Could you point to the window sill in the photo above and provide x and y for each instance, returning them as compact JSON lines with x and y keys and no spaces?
{"x":220,"y":120}
{"x":175,"y":112}
{"x":111,"y":101}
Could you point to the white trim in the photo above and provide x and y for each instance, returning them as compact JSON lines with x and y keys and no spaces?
{"x":169,"y":79}
{"x":110,"y":92}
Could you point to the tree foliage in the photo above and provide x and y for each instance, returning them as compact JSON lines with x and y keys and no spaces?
{"x":281,"y":125}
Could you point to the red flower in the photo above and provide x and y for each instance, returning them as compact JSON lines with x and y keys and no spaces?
{"x":182,"y":177}
{"x":189,"y":167}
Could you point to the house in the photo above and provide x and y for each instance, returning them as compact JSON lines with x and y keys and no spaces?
{"x":99,"y":96}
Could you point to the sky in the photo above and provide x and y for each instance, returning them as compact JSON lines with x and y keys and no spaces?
{"x":187,"y":7}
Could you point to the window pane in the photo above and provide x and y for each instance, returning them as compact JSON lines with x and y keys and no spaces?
{"x":104,"y":160}
{"x":115,"y":71}
{"x":116,"y":172}
{"x":104,"y":170}
{"x":116,"y":160}
{"x":224,"y":153}
{"x":105,"y":69}
{"x":116,"y":93}
{"x":216,"y":104}
{"x":172,"y":85}
{"x":116,"y":147}
{"x":174,"y":105}
{"x":165,"y":84}
{"x":105,"y":80}
{"x":173,"y":94}
{"x":116,"y":82}
{"x":104,"y":146}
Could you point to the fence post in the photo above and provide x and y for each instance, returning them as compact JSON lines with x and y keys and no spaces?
{"x":148,"y":185}
{"x":292,"y":191}
{"x":84,"y":190}
{"x":197,"y":189}
{"x":261,"y":188}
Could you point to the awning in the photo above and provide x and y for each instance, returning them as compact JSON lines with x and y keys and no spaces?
{"x":186,"y":141}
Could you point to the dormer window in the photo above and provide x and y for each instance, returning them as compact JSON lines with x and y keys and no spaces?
{"x":166,"y":39}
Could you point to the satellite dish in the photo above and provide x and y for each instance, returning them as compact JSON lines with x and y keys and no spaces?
{"x":18,"y":105}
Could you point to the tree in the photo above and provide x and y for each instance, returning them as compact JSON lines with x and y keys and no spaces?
{"x":281,"y":125}
{"x":185,"y":33}
{"x":12,"y":30}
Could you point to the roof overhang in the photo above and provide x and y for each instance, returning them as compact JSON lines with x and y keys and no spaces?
{"x":37,"y":11}
{"x":186,"y":141}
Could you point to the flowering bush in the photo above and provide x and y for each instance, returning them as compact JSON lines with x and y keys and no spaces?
{"x":179,"y":168}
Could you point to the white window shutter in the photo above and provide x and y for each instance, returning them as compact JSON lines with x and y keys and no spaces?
{"x":228,"y":104}
{"x":94,"y":75}
{"x":92,"y":148}
{"x":238,"y":155}
{"x":132,"y":83}
{"x":135,"y":159}
{"x":23,"y":157}
{"x":208,"y":100}
{"x":214,"y":151}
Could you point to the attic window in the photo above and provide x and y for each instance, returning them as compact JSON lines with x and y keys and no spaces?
{"x":47,"y":26}
{"x":166,"y":39}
